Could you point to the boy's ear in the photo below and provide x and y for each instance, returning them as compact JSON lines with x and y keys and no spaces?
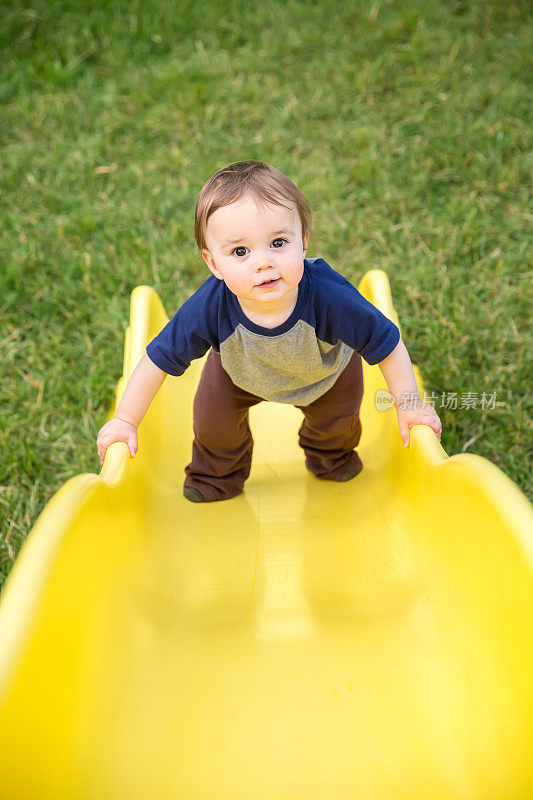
{"x":209,"y":260}
{"x":306,"y":240}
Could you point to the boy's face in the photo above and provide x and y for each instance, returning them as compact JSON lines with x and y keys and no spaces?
{"x":248,"y":245}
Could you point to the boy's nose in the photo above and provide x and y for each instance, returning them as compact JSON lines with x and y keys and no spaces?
{"x":264,"y":258}
{"x":264,"y":261}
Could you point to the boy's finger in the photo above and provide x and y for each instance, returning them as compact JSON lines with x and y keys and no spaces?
{"x":404,"y":433}
{"x":132,"y":447}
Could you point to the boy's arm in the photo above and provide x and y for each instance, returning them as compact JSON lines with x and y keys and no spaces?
{"x":399,"y":374}
{"x":145,"y":382}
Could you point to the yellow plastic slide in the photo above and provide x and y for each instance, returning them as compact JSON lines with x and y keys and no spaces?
{"x":307,"y":640}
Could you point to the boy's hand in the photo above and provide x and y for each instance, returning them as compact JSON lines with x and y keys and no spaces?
{"x":416,"y":412}
{"x":116,"y":430}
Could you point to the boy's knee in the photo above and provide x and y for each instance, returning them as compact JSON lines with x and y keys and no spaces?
{"x":341,"y":433}
{"x":216,"y":433}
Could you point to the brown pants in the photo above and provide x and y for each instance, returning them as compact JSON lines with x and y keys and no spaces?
{"x":223,"y":443}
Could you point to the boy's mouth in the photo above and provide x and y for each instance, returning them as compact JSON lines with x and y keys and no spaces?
{"x":270,"y":282}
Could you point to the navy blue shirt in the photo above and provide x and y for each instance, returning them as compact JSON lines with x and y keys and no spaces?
{"x":295,"y":362}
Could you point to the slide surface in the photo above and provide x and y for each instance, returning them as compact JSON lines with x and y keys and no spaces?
{"x":308,"y":639}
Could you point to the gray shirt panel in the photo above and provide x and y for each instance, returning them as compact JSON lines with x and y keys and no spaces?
{"x":293,"y":367}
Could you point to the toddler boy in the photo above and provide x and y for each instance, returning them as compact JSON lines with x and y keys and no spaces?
{"x":279,"y":327}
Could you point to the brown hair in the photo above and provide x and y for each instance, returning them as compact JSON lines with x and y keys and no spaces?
{"x":267,"y":184}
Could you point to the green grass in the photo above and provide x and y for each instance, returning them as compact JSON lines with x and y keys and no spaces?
{"x":404,"y":123}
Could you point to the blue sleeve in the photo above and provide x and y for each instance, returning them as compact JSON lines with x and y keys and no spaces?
{"x":348,"y":316}
{"x":190,"y":333}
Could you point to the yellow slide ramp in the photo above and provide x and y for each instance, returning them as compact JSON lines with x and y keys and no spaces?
{"x":307,"y":640}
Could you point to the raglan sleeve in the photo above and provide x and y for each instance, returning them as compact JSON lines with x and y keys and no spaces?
{"x":188,"y":335}
{"x":354,"y":320}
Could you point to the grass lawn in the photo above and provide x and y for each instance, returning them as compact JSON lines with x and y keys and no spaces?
{"x":404,"y":123}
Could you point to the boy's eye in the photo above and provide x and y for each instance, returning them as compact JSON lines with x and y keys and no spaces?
{"x":241,"y":247}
